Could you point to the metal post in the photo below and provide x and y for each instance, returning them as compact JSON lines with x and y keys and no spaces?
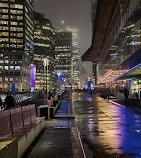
{"x":44,"y":84}
{"x":47,"y":82}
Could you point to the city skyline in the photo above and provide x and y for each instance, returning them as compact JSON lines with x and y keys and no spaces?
{"x":76,"y":14}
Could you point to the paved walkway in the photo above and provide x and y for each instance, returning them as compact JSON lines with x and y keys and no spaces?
{"x":53,"y":143}
{"x":134,"y":104}
{"x":107,"y":129}
{"x":60,"y":138}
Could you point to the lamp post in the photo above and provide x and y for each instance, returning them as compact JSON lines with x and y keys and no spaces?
{"x":45,"y":80}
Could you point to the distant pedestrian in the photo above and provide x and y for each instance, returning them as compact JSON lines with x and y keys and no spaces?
{"x":54,"y":91}
{"x":126,"y":94}
{"x":9,"y":101}
{"x":108,"y":93}
{"x":105,"y":93}
{"x":49,"y":94}
{"x":0,"y":103}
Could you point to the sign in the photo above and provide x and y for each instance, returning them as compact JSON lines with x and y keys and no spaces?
{"x":13,"y":87}
{"x":135,"y":82}
{"x":32,"y":76}
{"x":89,"y":84}
{"x":139,"y":81}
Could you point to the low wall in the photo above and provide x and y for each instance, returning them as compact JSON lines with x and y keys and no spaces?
{"x":18,"y":145}
{"x":25,"y":141}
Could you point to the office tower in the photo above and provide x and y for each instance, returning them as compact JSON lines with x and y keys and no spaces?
{"x":63,"y":50}
{"x":43,"y":48}
{"x":75,"y":54}
{"x":16,"y":44}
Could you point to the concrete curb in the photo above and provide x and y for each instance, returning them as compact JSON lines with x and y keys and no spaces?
{"x":77,"y":146}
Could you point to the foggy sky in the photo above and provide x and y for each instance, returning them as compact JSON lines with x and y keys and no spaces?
{"x":76,"y":13}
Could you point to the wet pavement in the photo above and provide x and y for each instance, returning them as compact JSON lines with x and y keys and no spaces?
{"x":59,"y":139}
{"x":53,"y":143}
{"x":64,"y":109}
{"x":107,"y":129}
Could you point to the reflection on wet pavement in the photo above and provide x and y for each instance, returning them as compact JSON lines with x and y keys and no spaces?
{"x":64,"y":109}
{"x":55,"y":141}
{"x":107,"y":130}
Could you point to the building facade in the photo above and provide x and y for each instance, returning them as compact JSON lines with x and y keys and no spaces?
{"x":75,"y":54}
{"x":16,"y":44}
{"x":63,"y":54}
{"x":44,"y":48}
{"x":116,"y":42}
{"x":122,"y":37}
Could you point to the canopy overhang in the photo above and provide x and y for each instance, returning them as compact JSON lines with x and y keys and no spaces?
{"x":103,"y":13}
{"x":110,"y":76}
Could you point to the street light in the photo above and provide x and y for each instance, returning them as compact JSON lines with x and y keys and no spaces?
{"x":46,"y":78}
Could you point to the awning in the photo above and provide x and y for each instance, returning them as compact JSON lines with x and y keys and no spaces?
{"x":103,"y":13}
{"x":133,"y":73}
{"x":131,"y":61}
{"x":110,"y":76}
{"x":133,"y":64}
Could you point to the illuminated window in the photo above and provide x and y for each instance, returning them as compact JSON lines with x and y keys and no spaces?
{"x":12,"y":67}
{"x":6,"y":67}
{"x":4,"y":16}
{"x":19,"y":46}
{"x":13,"y":40}
{"x":6,"y":79}
{"x":6,"y":61}
{"x":4,"y":34}
{"x":13,"y":45}
{"x":16,"y":11}
{"x":11,"y":79}
{"x":3,"y":28}
{"x":19,"y":6}
{"x":17,"y":67}
{"x":3,"y":22}
{"x":3,"y":40}
{"x":4,"y":11}
{"x":13,"y":23}
{"x":19,"y":17}
{"x":13,"y":17}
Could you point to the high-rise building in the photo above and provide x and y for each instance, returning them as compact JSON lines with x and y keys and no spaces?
{"x":63,"y":50}
{"x":16,"y":44}
{"x":75,"y":53}
{"x":44,"y":47}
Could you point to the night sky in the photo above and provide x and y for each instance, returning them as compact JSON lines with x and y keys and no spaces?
{"x":76,"y":13}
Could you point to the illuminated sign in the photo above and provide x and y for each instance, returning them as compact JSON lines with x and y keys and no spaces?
{"x":13,"y":87}
{"x":135,"y":82}
{"x":139,"y":81}
{"x":89,"y":84}
{"x":32,"y":77}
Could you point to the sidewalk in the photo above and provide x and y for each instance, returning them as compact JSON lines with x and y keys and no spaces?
{"x":60,"y":137}
{"x":134,"y":104}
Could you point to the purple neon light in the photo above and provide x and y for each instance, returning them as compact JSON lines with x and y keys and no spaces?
{"x":126,"y":71}
{"x":32,"y":76}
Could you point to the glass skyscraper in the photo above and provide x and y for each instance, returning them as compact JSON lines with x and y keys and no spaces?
{"x":16,"y":43}
{"x":44,"y":40}
{"x":63,"y":54}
